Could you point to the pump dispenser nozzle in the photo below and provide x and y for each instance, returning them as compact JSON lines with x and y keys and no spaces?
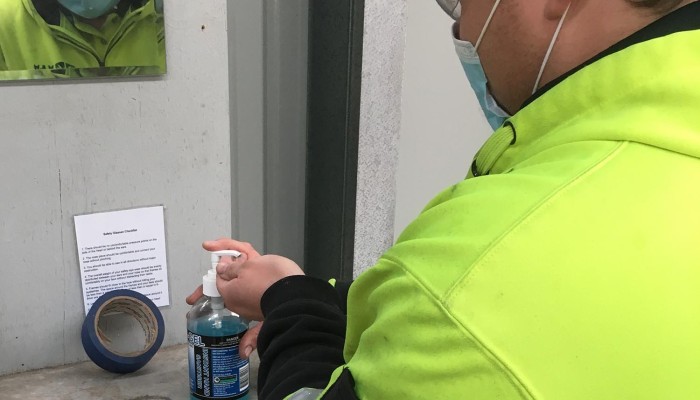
{"x":209,"y":280}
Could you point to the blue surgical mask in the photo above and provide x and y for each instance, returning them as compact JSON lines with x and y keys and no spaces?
{"x":495,"y":115}
{"x":471,"y":63}
{"x":89,"y":9}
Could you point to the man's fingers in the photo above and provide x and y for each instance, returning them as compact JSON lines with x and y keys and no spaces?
{"x":191,"y":299}
{"x":249,"y":342}
{"x":225,"y":260}
{"x":222,"y":283}
{"x":230,"y":271}
{"x":230,"y":244}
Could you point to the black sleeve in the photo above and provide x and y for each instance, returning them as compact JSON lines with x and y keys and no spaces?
{"x":301,"y":341}
{"x":343,"y":287}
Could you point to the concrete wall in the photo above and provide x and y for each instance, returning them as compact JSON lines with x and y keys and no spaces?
{"x":75,"y":148}
{"x":442,"y":125}
{"x":380,"y":123}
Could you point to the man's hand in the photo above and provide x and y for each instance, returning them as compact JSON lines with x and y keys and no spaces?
{"x":242,"y":285}
{"x":249,"y":342}
{"x":247,"y":253}
{"x":230,"y":244}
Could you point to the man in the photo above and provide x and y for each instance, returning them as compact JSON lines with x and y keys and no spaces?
{"x":73,"y":38}
{"x":565,"y":267}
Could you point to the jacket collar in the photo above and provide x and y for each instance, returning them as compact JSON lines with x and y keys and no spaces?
{"x":685,"y":18}
{"x":653,"y":71}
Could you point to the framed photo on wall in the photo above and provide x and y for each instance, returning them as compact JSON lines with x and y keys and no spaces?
{"x":49,"y":39}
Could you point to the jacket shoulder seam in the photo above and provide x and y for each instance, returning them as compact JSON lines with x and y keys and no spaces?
{"x":488,"y":253}
{"x":483,"y":349}
{"x":529,"y":215}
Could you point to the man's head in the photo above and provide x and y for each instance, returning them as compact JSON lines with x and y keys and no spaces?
{"x":516,"y":41}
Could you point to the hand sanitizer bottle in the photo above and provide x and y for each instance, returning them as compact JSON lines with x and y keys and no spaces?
{"x":214,"y":334}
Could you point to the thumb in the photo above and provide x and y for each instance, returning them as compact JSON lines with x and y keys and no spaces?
{"x":249,"y":342}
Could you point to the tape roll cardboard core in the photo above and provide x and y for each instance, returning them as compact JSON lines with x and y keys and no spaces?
{"x":139,"y":311}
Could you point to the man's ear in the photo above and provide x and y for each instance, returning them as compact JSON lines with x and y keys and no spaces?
{"x":555,"y":9}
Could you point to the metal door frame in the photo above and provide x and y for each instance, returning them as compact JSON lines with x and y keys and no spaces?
{"x":335,"y":78}
{"x":295,"y":128}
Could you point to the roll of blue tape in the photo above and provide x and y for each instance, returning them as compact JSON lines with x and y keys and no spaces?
{"x":97,"y":344}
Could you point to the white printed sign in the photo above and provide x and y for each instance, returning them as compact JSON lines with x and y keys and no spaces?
{"x":123,"y":250}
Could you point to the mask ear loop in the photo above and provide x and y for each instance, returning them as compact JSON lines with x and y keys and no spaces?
{"x":549,"y":50}
{"x":488,"y":22}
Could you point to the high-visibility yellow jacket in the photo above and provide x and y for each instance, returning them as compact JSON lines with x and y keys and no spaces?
{"x":566,"y":267}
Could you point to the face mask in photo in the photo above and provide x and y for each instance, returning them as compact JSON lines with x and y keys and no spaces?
{"x":89,"y":9}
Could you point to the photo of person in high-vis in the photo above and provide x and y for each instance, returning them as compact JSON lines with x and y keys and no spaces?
{"x":81,"y":38}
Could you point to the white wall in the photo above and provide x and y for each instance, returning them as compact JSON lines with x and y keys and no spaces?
{"x":76,"y":148}
{"x":442,"y":126}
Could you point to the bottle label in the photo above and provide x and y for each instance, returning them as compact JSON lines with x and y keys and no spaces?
{"x":216,"y":370}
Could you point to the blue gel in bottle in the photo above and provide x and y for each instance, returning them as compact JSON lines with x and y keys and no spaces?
{"x":214,"y":334}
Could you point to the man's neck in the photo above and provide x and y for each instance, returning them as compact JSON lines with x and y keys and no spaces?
{"x":588,"y":35}
{"x":680,"y":21}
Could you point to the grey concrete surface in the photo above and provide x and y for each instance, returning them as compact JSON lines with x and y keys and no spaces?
{"x":163,"y":378}
{"x":380,"y":123}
